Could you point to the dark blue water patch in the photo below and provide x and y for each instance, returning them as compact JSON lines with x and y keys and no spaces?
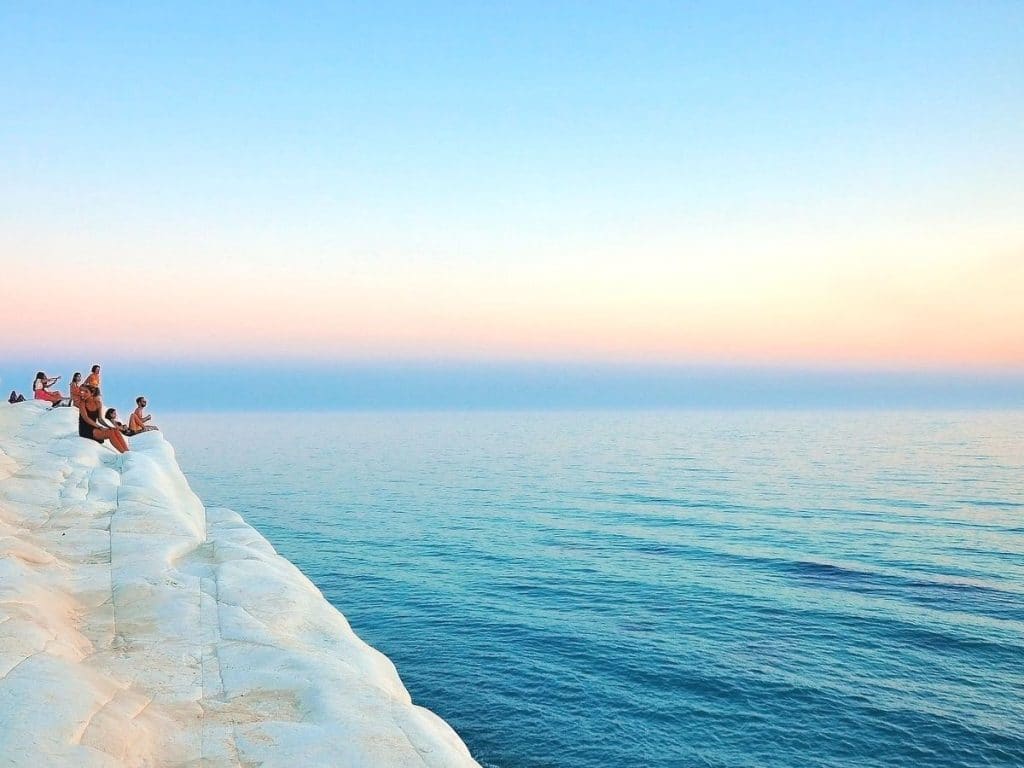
{"x":643,"y":499}
{"x":1014,"y":556}
{"x":941,"y":595}
{"x":997,"y":503}
{"x":900,"y":504}
{"x":969,"y":598}
{"x":998,"y":649}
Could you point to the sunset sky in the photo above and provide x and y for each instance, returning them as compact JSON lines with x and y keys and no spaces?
{"x":759,"y":184}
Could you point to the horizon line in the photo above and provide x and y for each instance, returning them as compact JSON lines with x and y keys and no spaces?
{"x":1014,"y":368}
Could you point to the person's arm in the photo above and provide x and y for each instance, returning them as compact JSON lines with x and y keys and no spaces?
{"x":83,"y":411}
{"x":146,"y":418}
{"x":104,"y":424}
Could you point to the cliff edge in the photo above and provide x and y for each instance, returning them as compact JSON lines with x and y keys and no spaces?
{"x":139,"y":628}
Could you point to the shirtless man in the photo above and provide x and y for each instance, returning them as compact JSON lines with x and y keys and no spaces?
{"x":93,"y":379}
{"x":137,"y":421}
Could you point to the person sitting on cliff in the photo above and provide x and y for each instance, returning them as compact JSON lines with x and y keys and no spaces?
{"x":137,"y":421}
{"x":41,"y":389}
{"x":110,"y":420}
{"x":89,"y":425}
{"x":93,"y":379}
{"x":76,"y":384}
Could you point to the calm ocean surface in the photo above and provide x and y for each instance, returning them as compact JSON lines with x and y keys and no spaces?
{"x":662,"y":589}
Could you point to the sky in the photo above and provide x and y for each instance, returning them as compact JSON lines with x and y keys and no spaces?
{"x":758,"y":185}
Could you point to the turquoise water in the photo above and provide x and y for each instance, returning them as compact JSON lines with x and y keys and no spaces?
{"x":662,"y":589}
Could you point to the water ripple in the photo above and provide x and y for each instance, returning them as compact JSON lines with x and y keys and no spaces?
{"x":671,"y":589}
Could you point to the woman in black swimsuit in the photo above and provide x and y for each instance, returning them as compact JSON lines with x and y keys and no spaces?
{"x":89,"y":408}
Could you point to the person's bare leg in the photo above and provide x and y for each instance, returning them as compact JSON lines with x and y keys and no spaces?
{"x":118,"y":441}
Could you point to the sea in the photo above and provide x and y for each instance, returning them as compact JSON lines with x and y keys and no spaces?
{"x":603,"y":589}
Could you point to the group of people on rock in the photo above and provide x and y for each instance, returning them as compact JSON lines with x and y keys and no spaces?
{"x":94,"y":422}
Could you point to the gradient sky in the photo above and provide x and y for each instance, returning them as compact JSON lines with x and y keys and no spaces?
{"x":766,"y":184}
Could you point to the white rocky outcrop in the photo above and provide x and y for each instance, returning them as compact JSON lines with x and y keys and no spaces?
{"x":138,"y":628}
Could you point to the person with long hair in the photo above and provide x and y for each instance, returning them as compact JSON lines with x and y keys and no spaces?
{"x":76,"y":384}
{"x":41,"y":389}
{"x":89,"y":425}
{"x":110,"y":419}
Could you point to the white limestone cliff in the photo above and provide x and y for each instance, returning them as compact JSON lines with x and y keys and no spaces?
{"x":138,"y":628}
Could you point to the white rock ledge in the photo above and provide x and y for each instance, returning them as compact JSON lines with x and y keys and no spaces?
{"x":138,"y":628}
